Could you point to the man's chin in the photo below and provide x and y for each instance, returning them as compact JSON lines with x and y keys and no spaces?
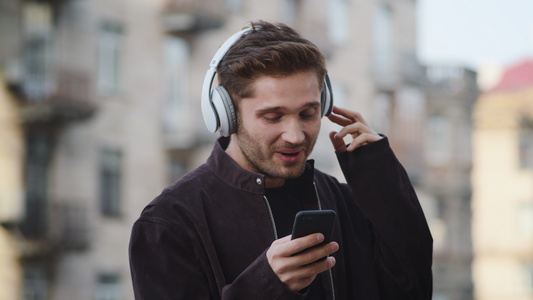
{"x":290,"y":172}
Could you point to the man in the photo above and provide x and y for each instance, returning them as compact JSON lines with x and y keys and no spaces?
{"x":223,"y":230}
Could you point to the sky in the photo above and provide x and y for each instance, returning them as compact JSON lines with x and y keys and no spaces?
{"x":474,"y":33}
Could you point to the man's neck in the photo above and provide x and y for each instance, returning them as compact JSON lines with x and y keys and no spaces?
{"x":272,"y":183}
{"x":235,"y":153}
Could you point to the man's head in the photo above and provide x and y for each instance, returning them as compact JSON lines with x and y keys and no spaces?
{"x":274,"y":50}
{"x":274,"y":78}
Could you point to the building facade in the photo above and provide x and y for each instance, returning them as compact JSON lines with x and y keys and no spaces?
{"x":502,"y":179}
{"x":109,"y":100}
{"x":445,"y":188}
{"x":11,"y":186}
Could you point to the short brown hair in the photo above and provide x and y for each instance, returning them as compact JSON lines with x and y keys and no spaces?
{"x":267,"y":50}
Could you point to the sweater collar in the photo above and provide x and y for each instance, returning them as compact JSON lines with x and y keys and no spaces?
{"x":231,"y":173}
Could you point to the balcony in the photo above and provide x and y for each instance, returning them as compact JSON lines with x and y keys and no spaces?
{"x":452,"y":80}
{"x":411,"y":70}
{"x":183,"y":16}
{"x":58,"y":226}
{"x":68,"y":226}
{"x":61,"y":98}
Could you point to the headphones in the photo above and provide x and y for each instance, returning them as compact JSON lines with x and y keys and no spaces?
{"x":217,"y":107}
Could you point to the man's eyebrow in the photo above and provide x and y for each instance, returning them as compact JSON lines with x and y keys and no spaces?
{"x":280,"y":108}
{"x":268,"y":110}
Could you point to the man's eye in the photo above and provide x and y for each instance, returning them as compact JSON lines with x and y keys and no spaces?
{"x":272,"y":117}
{"x":308,"y":113}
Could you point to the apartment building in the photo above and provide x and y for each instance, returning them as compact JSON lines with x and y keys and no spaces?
{"x":101,"y":88}
{"x":11,"y":183}
{"x":445,"y":188}
{"x":108,"y":94}
{"x":502,"y":179}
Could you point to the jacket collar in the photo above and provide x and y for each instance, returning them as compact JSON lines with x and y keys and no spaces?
{"x":232,"y":174}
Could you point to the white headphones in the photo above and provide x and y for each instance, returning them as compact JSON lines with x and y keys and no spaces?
{"x":217,"y":107}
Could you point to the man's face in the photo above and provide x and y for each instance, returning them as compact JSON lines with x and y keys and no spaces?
{"x":279,"y":125}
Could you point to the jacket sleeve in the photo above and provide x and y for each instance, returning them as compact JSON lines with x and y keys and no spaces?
{"x":164,"y":263}
{"x":168,"y":263}
{"x":403,"y":244}
{"x":259,"y":282}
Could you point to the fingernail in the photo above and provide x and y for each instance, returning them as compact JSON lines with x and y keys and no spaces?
{"x":320,"y":237}
{"x":332,"y":261}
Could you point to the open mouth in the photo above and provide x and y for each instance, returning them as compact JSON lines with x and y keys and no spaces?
{"x":290,"y":155}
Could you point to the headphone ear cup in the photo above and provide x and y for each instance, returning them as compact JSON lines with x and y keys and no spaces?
{"x":326,"y":98}
{"x":225,"y":109}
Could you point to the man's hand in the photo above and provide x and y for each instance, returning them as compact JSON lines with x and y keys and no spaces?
{"x":353,"y":124}
{"x":298,"y":271}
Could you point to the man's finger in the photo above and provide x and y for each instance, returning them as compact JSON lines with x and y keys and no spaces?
{"x":362,"y":140}
{"x":338,"y":143}
{"x":354,"y":116}
{"x":300,"y":244}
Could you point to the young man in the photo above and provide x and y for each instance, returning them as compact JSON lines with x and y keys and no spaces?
{"x":223,"y":230}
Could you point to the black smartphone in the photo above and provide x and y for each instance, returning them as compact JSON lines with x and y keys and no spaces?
{"x":308,"y":222}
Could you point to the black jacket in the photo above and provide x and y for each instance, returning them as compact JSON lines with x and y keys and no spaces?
{"x":206,"y":236}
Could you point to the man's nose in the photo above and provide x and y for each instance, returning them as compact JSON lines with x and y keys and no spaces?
{"x":293,"y":131}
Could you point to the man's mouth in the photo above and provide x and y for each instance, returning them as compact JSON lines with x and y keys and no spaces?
{"x":291,"y":155}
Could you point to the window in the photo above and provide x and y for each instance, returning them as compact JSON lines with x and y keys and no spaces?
{"x":464,"y":141}
{"x":176,"y":112}
{"x":109,"y":58}
{"x":525,"y":219}
{"x":338,"y":21}
{"x":37,"y":49}
{"x":382,"y":112}
{"x":438,"y":140}
{"x":35,"y":283}
{"x":38,"y":151}
{"x":177,"y":168}
{"x":526,"y":143}
{"x":409,"y":115}
{"x":382,"y":36}
{"x":108,"y":287}
{"x":110,"y":167}
{"x":36,"y":79}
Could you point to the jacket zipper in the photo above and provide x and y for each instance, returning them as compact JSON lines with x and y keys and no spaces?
{"x":276,"y":233}
{"x":271,"y":218}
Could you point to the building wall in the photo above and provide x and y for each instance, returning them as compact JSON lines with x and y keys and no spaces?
{"x":11,"y":159}
{"x":10,"y":270}
{"x":127,"y":121}
{"x":445,"y":188}
{"x":132,"y":119}
{"x":502,"y":198}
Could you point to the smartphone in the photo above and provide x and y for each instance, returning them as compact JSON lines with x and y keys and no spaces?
{"x":308,"y":222}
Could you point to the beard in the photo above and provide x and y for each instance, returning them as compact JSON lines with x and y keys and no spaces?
{"x":261,"y":157}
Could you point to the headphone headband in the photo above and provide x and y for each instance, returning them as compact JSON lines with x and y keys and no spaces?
{"x":225,"y":47}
